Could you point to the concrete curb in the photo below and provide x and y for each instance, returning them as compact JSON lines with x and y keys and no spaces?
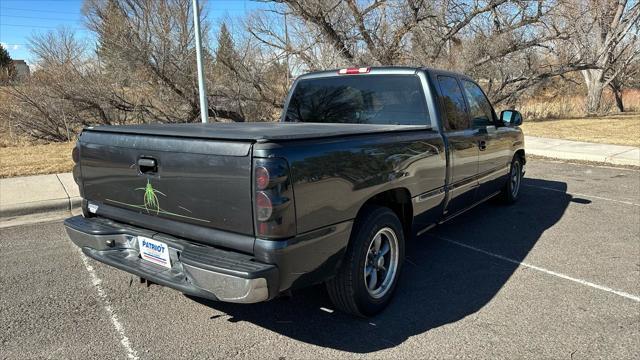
{"x":583,"y":151}
{"x":583,"y":157}
{"x":38,"y":198}
{"x":35,"y":207}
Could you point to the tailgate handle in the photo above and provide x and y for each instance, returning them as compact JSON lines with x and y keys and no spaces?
{"x":147,"y":165}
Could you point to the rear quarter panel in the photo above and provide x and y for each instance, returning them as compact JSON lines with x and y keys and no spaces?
{"x":333,"y":178}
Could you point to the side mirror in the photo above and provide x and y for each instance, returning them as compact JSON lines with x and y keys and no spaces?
{"x":511,"y":118}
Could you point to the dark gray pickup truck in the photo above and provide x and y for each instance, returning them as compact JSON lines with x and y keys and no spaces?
{"x":362,"y":160}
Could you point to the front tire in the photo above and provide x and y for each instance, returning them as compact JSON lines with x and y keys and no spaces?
{"x":371,"y":267}
{"x":511,"y":190}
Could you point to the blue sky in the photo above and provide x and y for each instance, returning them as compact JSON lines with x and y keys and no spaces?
{"x":20,"y":19}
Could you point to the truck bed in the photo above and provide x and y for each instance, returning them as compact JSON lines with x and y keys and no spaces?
{"x":258,"y":131}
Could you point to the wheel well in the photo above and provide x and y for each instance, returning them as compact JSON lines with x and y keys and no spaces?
{"x":399,"y":201}
{"x":521,"y":154}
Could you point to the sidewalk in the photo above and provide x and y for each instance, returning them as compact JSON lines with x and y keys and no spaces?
{"x":578,"y":150}
{"x":37,"y":198}
{"x":43,"y":197}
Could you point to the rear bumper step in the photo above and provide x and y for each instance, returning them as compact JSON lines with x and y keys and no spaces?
{"x":197,"y":270}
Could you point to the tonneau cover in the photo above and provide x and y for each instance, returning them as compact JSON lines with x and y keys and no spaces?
{"x":254,"y":131}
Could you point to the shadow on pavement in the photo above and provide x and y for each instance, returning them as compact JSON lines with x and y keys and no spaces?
{"x":441,"y":282}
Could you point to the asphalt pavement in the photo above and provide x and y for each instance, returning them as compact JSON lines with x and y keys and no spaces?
{"x":556,"y":275}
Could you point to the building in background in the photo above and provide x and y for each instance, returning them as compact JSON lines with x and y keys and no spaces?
{"x":22,"y":69}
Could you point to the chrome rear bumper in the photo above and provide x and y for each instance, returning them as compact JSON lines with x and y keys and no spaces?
{"x":196,"y":270}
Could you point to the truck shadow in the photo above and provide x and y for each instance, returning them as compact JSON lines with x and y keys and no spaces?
{"x":442,"y":282}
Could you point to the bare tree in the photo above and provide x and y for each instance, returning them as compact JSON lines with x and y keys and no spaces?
{"x":376,"y":33}
{"x":62,"y":94}
{"x":70,"y":89}
{"x":627,"y":72}
{"x":152,"y":43}
{"x":298,"y":42}
{"x":250,"y":81}
{"x":508,"y":44}
{"x":601,"y":38}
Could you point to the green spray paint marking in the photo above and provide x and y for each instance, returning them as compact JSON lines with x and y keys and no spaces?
{"x":151,"y":203}
{"x":150,"y":198}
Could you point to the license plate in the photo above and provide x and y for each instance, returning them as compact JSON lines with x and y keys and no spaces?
{"x":154,"y":251}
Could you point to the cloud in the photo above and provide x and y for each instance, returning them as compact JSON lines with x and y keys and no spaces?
{"x":10,"y":46}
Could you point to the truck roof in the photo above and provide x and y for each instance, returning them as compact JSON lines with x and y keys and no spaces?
{"x":383,"y":70}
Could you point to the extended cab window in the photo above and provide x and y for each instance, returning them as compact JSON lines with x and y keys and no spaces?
{"x":480,"y":108}
{"x":365,"y":99}
{"x":455,"y":109}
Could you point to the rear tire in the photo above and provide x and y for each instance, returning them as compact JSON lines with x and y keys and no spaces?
{"x":371,"y":266}
{"x":511,"y":190}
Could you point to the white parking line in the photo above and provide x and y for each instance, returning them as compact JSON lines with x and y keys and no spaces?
{"x":585,"y":195}
{"x":549,"y":272}
{"x":96,"y":281}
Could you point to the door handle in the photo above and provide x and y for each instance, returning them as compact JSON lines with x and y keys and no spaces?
{"x":482,"y":145}
{"x":147,"y":165}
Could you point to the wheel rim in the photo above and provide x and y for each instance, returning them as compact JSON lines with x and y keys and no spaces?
{"x":515,"y":179}
{"x":382,"y":262}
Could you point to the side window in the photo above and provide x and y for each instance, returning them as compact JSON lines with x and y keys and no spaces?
{"x":456,"y":117}
{"x":479,"y":107}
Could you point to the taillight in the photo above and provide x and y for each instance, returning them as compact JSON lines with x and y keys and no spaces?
{"x":273,"y":199}
{"x":353,"y":71}
{"x":262,"y":177}
{"x":264,"y":207}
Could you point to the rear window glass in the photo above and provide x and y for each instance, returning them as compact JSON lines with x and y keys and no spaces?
{"x":366,"y":99}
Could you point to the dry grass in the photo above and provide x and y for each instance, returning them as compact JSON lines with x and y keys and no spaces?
{"x":621,"y":129}
{"x":35,"y":159}
{"x":552,"y":106}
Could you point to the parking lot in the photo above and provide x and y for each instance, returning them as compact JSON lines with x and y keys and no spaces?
{"x":555,"y":276}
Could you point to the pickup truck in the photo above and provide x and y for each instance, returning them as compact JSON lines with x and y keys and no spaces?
{"x":362,"y":160}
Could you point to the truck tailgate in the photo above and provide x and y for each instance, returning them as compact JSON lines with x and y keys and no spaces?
{"x":203,"y":182}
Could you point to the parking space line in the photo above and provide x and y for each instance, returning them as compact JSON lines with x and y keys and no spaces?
{"x":543,"y":270}
{"x":585,"y":195}
{"x":96,"y":281}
